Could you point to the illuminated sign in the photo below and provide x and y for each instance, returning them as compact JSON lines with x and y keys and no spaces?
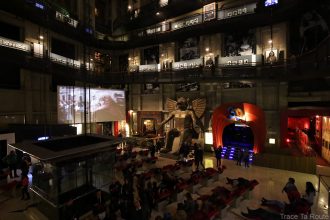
{"x":187,"y":22}
{"x":66,"y":19}
{"x":64,"y":60}
{"x":239,"y":11}
{"x":14,"y":44}
{"x":149,"y":68}
{"x":154,"y":30}
{"x":188,"y":64}
{"x":246,"y":60}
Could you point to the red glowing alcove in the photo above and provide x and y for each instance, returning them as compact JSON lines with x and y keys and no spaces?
{"x":253,"y":116}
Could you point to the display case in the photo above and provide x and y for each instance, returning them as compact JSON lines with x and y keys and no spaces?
{"x":70,"y":171}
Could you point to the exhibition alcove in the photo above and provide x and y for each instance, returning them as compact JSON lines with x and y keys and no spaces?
{"x":241,"y":114}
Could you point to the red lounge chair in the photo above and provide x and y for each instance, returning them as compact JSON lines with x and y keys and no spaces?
{"x":211,"y":172}
{"x":9,"y":186}
{"x":182,"y":186}
{"x":167,"y":168}
{"x":164,"y":194}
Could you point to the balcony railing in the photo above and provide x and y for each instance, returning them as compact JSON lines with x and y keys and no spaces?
{"x":314,"y":64}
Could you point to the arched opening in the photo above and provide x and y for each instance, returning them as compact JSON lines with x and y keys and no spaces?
{"x":238,"y":135}
{"x":250,"y":117}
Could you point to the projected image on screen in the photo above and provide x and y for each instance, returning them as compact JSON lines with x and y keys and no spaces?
{"x":271,"y":2}
{"x":101,"y":105}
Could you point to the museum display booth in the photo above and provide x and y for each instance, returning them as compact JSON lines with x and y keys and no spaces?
{"x":67,"y":172}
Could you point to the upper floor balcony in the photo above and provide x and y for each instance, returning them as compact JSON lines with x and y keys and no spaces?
{"x":314,"y":64}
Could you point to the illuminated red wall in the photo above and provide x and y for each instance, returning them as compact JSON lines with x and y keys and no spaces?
{"x":298,"y":113}
{"x":301,"y":123}
{"x":253,"y":117}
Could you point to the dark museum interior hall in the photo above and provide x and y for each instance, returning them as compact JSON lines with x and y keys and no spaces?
{"x":164,"y":109}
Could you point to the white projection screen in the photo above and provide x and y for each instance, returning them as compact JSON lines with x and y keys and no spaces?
{"x":101,"y":105}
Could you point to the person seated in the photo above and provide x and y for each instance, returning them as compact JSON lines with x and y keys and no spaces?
{"x":168,"y":180}
{"x":309,"y":193}
{"x":291,"y":190}
{"x":189,"y":204}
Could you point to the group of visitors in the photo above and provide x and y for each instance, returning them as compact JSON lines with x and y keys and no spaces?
{"x":13,"y":162}
{"x":297,"y":204}
{"x":243,"y":155}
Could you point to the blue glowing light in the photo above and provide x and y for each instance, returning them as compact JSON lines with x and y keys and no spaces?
{"x":39,"y":5}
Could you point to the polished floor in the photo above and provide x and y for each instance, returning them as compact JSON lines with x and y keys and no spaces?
{"x":271,"y":182}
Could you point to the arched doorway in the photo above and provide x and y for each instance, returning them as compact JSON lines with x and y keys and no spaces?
{"x":250,"y":117}
{"x":236,"y":137}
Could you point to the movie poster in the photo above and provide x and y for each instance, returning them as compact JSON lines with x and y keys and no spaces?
{"x":240,"y":43}
{"x":151,"y":55}
{"x":189,"y":49}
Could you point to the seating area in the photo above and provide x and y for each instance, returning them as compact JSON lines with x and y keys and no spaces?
{"x":209,"y":189}
{"x":175,"y":179}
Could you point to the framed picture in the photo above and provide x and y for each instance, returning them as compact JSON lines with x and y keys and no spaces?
{"x":240,"y":62}
{"x":229,"y":62}
{"x":271,"y":56}
{"x":209,"y":11}
{"x":148,"y":126}
{"x":246,"y":61}
{"x":234,"y":62}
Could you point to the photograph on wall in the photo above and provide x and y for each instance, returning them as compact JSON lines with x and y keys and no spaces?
{"x":209,"y":60}
{"x":189,"y":49}
{"x":310,"y":29}
{"x":149,"y":126}
{"x":151,"y":55}
{"x":240,"y":43}
{"x":187,"y":87}
{"x":209,"y":11}
{"x":271,"y":56}
{"x":151,"y":88}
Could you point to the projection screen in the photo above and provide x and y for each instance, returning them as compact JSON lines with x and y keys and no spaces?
{"x":101,"y":105}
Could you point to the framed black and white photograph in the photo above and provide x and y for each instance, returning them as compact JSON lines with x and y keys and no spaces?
{"x":271,"y":56}
{"x":209,"y":11}
{"x":234,"y":62}
{"x":229,"y":62}
{"x":151,"y":88}
{"x":246,"y":61}
{"x":240,"y":62}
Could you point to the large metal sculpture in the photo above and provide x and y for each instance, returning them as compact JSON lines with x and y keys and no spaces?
{"x":187,"y":124}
